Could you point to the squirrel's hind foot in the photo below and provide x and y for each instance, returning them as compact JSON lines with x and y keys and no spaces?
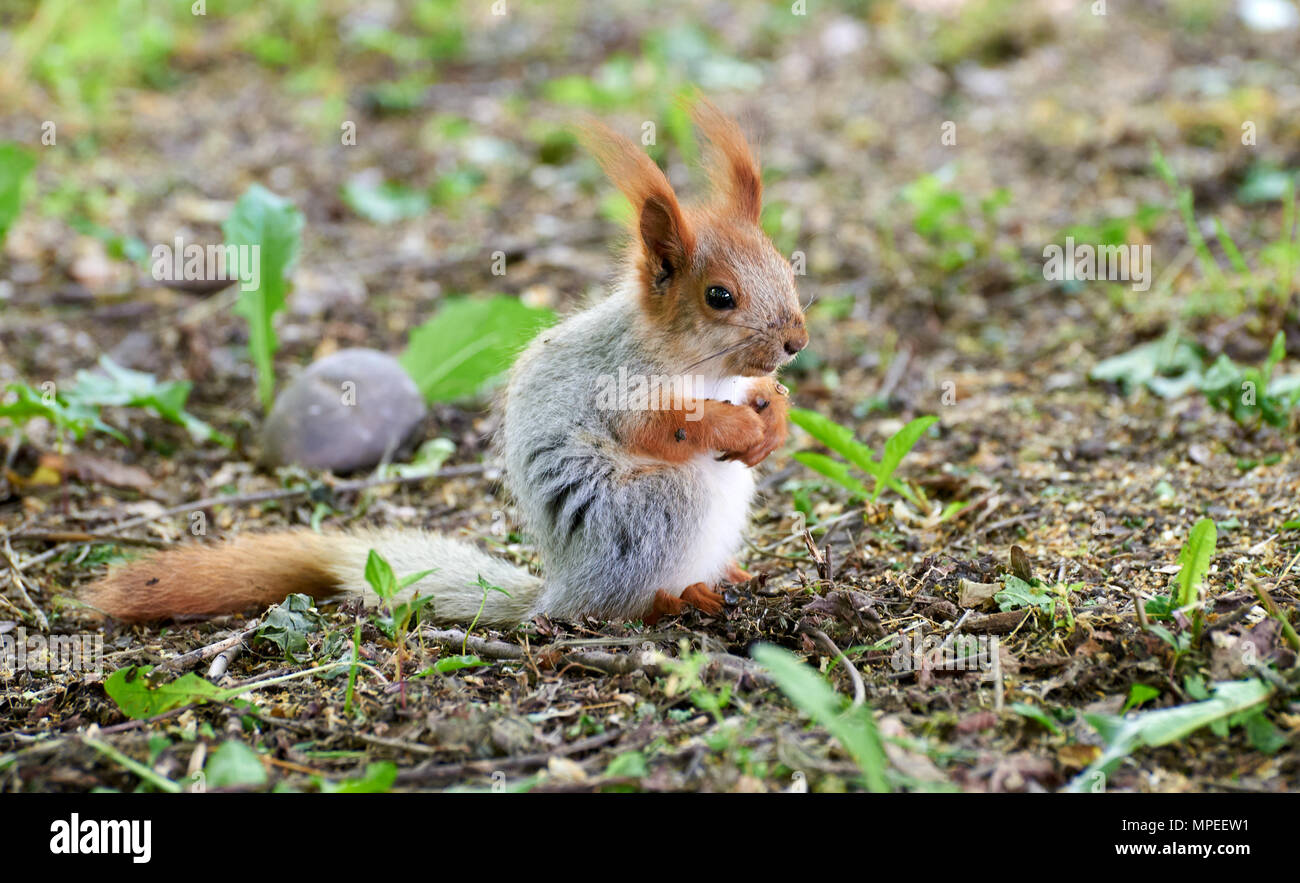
{"x":697,"y":595}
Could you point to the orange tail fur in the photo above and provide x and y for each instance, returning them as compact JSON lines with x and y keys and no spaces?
{"x":203,"y":580}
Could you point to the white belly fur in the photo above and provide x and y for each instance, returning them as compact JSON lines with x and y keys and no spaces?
{"x":728,"y":487}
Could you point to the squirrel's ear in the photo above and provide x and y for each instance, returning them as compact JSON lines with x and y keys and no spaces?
{"x":667,"y":238}
{"x":731,"y":164}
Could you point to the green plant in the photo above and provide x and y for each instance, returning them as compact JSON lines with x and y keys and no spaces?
{"x":377,"y":779}
{"x":1171,"y":367}
{"x":1232,"y":291}
{"x":468,"y":343}
{"x":854,"y":728}
{"x":15,"y":165}
{"x":1227,"y":704}
{"x":274,"y":226}
{"x":288,"y":624}
{"x":840,"y":440}
{"x":397,"y":621}
{"x":1195,"y":558}
{"x":1250,"y":395}
{"x":77,"y":410}
{"x":941,"y":216}
{"x":1018,"y":593}
{"x":687,"y":676}
{"x":384,"y":202}
{"x":234,"y":764}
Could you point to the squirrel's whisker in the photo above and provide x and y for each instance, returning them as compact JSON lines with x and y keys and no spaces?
{"x":722,"y":352}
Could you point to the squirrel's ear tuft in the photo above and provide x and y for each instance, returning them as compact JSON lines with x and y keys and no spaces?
{"x":731,"y":164}
{"x":667,"y":239}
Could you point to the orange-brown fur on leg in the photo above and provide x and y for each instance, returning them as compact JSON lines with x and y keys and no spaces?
{"x":664,"y":605}
{"x":702,"y":598}
{"x":737,"y":574}
{"x":670,"y":435}
{"x":204,"y":580}
{"x":697,"y":595}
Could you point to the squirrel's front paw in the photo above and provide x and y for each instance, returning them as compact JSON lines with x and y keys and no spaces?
{"x":768,"y":399}
{"x":741,"y":434}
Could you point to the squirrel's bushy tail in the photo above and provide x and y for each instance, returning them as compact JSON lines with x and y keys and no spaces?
{"x":256,"y":570}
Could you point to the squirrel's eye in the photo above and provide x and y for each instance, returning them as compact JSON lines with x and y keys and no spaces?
{"x":719,"y":298}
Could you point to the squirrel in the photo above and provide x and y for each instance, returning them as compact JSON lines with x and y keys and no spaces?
{"x":636,"y":501}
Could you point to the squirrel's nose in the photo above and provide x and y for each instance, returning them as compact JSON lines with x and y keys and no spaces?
{"x":796,"y":341}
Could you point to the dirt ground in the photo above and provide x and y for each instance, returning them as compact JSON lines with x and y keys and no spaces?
{"x":1098,"y":488}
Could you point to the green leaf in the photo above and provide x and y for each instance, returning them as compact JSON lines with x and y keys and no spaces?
{"x":72,"y":417}
{"x":379,"y":574}
{"x":272,"y":224}
{"x":1263,"y":735}
{"x":1138,"y":694}
{"x":385,"y":202}
{"x":289,"y":623}
{"x":834,"y":470}
{"x":1169,"y":367}
{"x":123,"y":388}
{"x":470,"y":342}
{"x":15,"y":165}
{"x":1195,"y":559}
{"x":137,"y":699}
{"x":1035,"y":713}
{"x":629,"y":765}
{"x":414,"y":577}
{"x":898,"y":446}
{"x":838,"y":438}
{"x":855,"y":729}
{"x":449,"y":664}
{"x":378,"y":779}
{"x":234,"y":764}
{"x":1155,"y":728}
{"x":1017,"y":594}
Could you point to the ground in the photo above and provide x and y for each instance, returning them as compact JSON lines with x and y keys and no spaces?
{"x":1097,"y":485}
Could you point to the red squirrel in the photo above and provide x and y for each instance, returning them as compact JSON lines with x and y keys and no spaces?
{"x":636,"y":502}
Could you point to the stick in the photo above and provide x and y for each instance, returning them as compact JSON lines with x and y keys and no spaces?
{"x":16,"y":579}
{"x":720,"y":664}
{"x":219,"y":665}
{"x":194,"y":657}
{"x":859,"y":688}
{"x":1288,"y":630}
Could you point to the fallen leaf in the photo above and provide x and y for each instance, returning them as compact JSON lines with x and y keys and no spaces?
{"x":973,"y":594}
{"x":1077,"y":756}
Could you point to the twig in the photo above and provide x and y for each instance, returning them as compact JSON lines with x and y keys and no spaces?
{"x":81,"y":536}
{"x":719,"y":664}
{"x":1141,"y":611}
{"x":897,"y":368}
{"x":219,"y":665}
{"x":16,"y":579}
{"x":194,"y":657}
{"x":423,"y":773}
{"x":859,"y":688}
{"x":1288,"y":630}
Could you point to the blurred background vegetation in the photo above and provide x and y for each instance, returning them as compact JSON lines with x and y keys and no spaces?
{"x":461,"y":115}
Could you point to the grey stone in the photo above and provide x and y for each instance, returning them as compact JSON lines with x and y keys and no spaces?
{"x":343,"y":413}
